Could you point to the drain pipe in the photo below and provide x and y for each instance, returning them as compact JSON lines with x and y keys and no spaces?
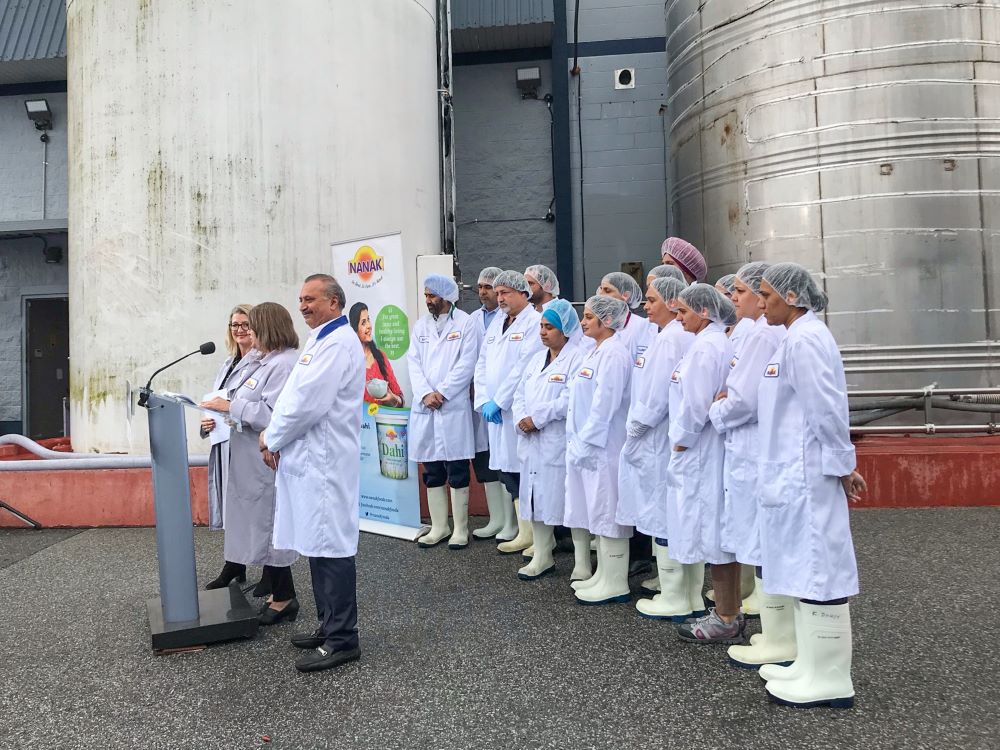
{"x":59,"y":461}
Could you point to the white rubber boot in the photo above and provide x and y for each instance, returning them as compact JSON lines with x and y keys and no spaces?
{"x":437,"y":504}
{"x":825,"y":650}
{"x":524,"y":537}
{"x":694,"y":579}
{"x":581,"y":556}
{"x":598,"y":570}
{"x":494,"y":502}
{"x":530,"y":551}
{"x":542,"y":562}
{"x":775,"y":643}
{"x":612,"y":586}
{"x":750,"y":592}
{"x":650,"y":585}
{"x":460,"y":517}
{"x":510,"y":528}
{"x":672,"y":603}
{"x":770,"y":672}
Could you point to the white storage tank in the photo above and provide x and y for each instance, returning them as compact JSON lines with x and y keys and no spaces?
{"x":216,"y":150}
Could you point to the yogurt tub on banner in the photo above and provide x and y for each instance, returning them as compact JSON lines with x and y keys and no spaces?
{"x":391,"y":428}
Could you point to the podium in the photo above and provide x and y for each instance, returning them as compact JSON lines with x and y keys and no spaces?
{"x":183,"y":617}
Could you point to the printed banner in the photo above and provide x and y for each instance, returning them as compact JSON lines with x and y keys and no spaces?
{"x":371,"y":272}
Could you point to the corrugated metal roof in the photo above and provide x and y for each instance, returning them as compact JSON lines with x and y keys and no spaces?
{"x":32,"y":30}
{"x":478,"y":14}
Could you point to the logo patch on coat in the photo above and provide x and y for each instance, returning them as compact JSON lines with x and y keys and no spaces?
{"x":251,"y":383}
{"x":454,"y":335}
{"x":305,"y":359}
{"x":516,"y":336}
{"x":675,"y":376}
{"x":557,"y":377}
{"x":733,"y":361}
{"x":640,"y":362}
{"x":587,"y":373}
{"x":771,"y":371}
{"x":491,"y":339}
{"x":423,"y":339}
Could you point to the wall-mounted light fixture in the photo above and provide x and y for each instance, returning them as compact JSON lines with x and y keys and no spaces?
{"x":39,"y":113}
{"x":528,"y":81}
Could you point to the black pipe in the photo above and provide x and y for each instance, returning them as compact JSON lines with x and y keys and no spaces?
{"x":562,"y":180}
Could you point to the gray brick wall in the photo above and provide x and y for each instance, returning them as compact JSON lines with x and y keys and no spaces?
{"x":21,"y":162}
{"x":601,"y":20}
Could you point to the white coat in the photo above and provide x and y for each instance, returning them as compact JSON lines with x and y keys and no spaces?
{"x":595,"y":434}
{"x":805,"y":447}
{"x":316,"y":426}
{"x":696,"y":499}
{"x":543,"y":395}
{"x":498,"y":371}
{"x":478,"y":423}
{"x":637,"y":335}
{"x":445,"y":362}
{"x":740,"y":331}
{"x":642,"y":475}
{"x":735,"y":417}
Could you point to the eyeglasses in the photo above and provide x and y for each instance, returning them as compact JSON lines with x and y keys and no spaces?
{"x":240,"y":326}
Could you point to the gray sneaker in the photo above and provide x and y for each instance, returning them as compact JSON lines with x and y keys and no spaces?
{"x":713,"y":629}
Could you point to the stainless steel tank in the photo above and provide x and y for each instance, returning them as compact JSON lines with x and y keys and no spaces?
{"x":861,"y":139}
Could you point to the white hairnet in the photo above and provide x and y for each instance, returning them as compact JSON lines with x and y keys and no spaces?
{"x":561,"y":314}
{"x":488,"y":274}
{"x":610,"y":311}
{"x":512,"y":279}
{"x":752,"y":273}
{"x":706,"y":302}
{"x":667,"y":272}
{"x":796,"y":286}
{"x":626,"y":285}
{"x":443,"y":286}
{"x":545,"y":277}
{"x":726,"y":282}
{"x":668,"y":288}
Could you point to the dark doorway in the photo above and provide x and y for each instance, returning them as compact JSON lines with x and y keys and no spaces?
{"x":47,"y":368}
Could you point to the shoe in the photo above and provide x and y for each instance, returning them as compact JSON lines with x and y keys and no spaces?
{"x":542,"y":563}
{"x":776,"y":671}
{"x":581,"y":555}
{"x":314,"y":639}
{"x":522,"y":540}
{"x":262,"y":589}
{"x":529,"y":552}
{"x":595,"y":578}
{"x":230,"y":572}
{"x":460,"y":516}
{"x":612,"y":565}
{"x":775,"y":644}
{"x":651,"y":586}
{"x":510,"y":528}
{"x":271,"y":616}
{"x":437,"y":504}
{"x":672,"y":603}
{"x":494,"y":501}
{"x":323,"y":658}
{"x":713,"y":629}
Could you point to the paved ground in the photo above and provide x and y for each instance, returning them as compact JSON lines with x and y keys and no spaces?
{"x":459,"y":654}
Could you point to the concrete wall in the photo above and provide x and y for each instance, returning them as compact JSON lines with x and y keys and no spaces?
{"x":21,"y":162}
{"x":601,"y":20}
{"x":503,"y":170}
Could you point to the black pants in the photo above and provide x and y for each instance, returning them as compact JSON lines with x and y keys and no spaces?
{"x":455,"y":473}
{"x":481,"y":465}
{"x":640,"y":546}
{"x":280,"y":581}
{"x":335,"y":587}
{"x":511,"y":483}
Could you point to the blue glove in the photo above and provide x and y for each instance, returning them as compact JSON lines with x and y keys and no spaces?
{"x":492,"y":412}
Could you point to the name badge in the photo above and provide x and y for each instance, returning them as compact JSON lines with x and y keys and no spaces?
{"x":454,"y":335}
{"x":640,"y":362}
{"x":771,"y":371}
{"x":305,"y":359}
{"x":641,"y":349}
{"x":557,"y":377}
{"x":423,"y":339}
{"x":516,"y":336}
{"x":733,"y":361}
{"x":675,"y":376}
{"x":251,"y":383}
{"x":587,"y":373}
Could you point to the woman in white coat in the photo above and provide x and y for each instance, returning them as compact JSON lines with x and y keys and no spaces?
{"x":696,"y":500}
{"x":643,"y":482}
{"x":540,"y":405}
{"x":595,"y":434}
{"x":636,"y":332}
{"x":808,"y":475}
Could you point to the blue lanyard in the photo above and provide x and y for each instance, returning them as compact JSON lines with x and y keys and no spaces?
{"x":332,"y":326}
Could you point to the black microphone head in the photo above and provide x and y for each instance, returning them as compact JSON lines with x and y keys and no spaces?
{"x":207,"y":348}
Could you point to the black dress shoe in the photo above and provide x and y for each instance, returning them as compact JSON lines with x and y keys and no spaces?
{"x":271,"y":616}
{"x":262,"y":589}
{"x":324,"y":658}
{"x":230,"y":572}
{"x":314,"y":639}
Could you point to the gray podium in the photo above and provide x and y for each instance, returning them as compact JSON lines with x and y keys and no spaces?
{"x":182,"y":616}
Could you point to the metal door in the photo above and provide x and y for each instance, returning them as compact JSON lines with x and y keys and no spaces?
{"x":47,"y":365}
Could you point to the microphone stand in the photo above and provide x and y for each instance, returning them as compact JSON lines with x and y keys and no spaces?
{"x":146,"y":390}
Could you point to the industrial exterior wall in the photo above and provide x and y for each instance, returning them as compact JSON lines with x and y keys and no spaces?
{"x":21,"y":162}
{"x":503,"y":170}
{"x":23,"y":271}
{"x":601,"y":20}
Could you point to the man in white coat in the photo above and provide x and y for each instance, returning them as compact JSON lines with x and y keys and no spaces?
{"x":314,"y":443}
{"x":442,"y":360}
{"x":510,"y":341}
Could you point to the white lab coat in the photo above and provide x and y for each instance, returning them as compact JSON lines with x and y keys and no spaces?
{"x":444,"y":362}
{"x":316,"y":426}
{"x":735,"y":417}
{"x":740,"y":331}
{"x":696,"y":499}
{"x":498,"y":371}
{"x":543,"y":395}
{"x":478,"y":423}
{"x":636,"y":335}
{"x":595,"y":434}
{"x":805,"y":447}
{"x":642,"y":477}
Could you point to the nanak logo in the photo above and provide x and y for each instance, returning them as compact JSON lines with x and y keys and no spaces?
{"x":516,"y":336}
{"x":306,"y":359}
{"x":675,"y":376}
{"x":251,"y":383}
{"x":454,"y":335}
{"x":587,"y":373}
{"x":771,"y":371}
{"x":733,"y":361}
{"x":557,"y":377}
{"x":640,"y":362}
{"x":366,"y":267}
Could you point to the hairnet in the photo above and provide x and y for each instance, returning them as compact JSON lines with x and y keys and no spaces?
{"x":726,"y":282}
{"x":610,"y":311}
{"x":686,"y":256}
{"x":752,"y":273}
{"x":561,"y":314}
{"x":668,"y":288}
{"x":488,"y":274}
{"x":545,"y":277}
{"x":667,"y":272}
{"x":706,"y":301}
{"x":626,"y":285}
{"x":514,"y":280}
{"x":792,"y":279}
{"x":443,"y":286}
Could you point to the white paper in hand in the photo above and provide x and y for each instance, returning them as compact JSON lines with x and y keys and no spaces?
{"x":220,"y":433}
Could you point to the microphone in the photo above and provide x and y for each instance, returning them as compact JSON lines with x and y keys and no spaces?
{"x":207,"y":348}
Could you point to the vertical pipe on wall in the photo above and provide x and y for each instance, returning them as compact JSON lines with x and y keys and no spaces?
{"x":561,"y":174}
